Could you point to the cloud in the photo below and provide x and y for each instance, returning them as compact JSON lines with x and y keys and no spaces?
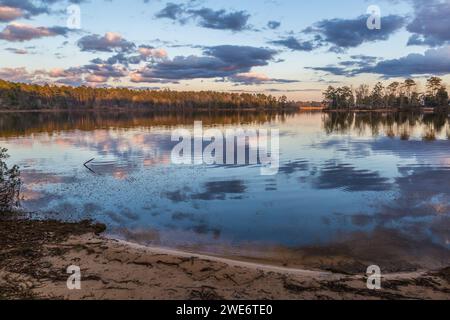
{"x":430,"y":25}
{"x":119,"y":58}
{"x":8,"y":14}
{"x":17,"y":51}
{"x":295,"y":44}
{"x":341,"y":34}
{"x":143,"y":54}
{"x":252,"y":78}
{"x":359,"y":61}
{"x":152,"y":65}
{"x":100,"y":72}
{"x":217,"y":62}
{"x":108,"y":43}
{"x":350,"y":33}
{"x":171,"y":11}
{"x":145,"y":75}
{"x":348,"y":67}
{"x":89,"y":73}
{"x":22,"y":32}
{"x":273,"y":25}
{"x":190,"y":67}
{"x":335,"y":70}
{"x":206,"y":17}
{"x":363,"y":60}
{"x":30,"y":8}
{"x":148,"y":51}
{"x":58,"y":72}
{"x":222,"y":20}
{"x":15,"y":74}
{"x":242,"y":56}
{"x":38,"y":76}
{"x":432,"y":62}
{"x":96,"y":78}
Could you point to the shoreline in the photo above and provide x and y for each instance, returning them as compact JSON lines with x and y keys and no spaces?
{"x":267,"y":267}
{"x":163,"y":110}
{"x":35,"y":256}
{"x":389,"y":110}
{"x":154,"y":109}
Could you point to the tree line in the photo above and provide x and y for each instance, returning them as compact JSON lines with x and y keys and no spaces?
{"x":396,"y":95}
{"x":33,"y":96}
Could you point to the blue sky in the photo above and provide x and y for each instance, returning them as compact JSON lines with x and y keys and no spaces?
{"x":290,"y":47}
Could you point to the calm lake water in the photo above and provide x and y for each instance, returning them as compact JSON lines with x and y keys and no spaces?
{"x":342,"y":178}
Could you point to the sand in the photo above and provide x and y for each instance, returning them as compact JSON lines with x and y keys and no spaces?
{"x":34,"y":257}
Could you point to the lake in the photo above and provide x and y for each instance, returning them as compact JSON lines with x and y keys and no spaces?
{"x":369,"y":186}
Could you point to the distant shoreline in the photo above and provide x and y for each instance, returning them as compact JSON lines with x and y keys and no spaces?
{"x":227,"y":110}
{"x":147,"y":109}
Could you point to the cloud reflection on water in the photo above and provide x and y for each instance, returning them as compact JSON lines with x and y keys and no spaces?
{"x":339,"y":187}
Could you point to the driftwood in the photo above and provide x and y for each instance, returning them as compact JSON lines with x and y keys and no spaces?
{"x":86,"y":163}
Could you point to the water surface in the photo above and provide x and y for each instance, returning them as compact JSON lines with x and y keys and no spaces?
{"x":376,"y":183}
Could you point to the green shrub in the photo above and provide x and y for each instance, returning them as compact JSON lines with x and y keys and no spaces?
{"x":10,"y":183}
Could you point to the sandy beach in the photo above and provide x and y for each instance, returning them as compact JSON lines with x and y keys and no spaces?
{"x":35,"y":256}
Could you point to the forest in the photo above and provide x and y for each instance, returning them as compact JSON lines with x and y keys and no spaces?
{"x":397,"y":95}
{"x":36,"y":97}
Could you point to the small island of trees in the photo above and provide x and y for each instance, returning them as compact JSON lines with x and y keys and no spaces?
{"x":395,"y":96}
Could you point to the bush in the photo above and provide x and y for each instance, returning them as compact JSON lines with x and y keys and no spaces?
{"x":10,"y":183}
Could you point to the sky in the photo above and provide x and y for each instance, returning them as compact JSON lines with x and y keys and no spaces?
{"x":280,"y":47}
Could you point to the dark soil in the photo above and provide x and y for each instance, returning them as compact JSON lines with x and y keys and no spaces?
{"x":23,"y":244}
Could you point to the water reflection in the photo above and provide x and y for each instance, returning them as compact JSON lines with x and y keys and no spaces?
{"x":14,"y":124}
{"x":353,"y":186}
{"x":213,"y":190}
{"x":343,"y":175}
{"x":402,"y":125}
